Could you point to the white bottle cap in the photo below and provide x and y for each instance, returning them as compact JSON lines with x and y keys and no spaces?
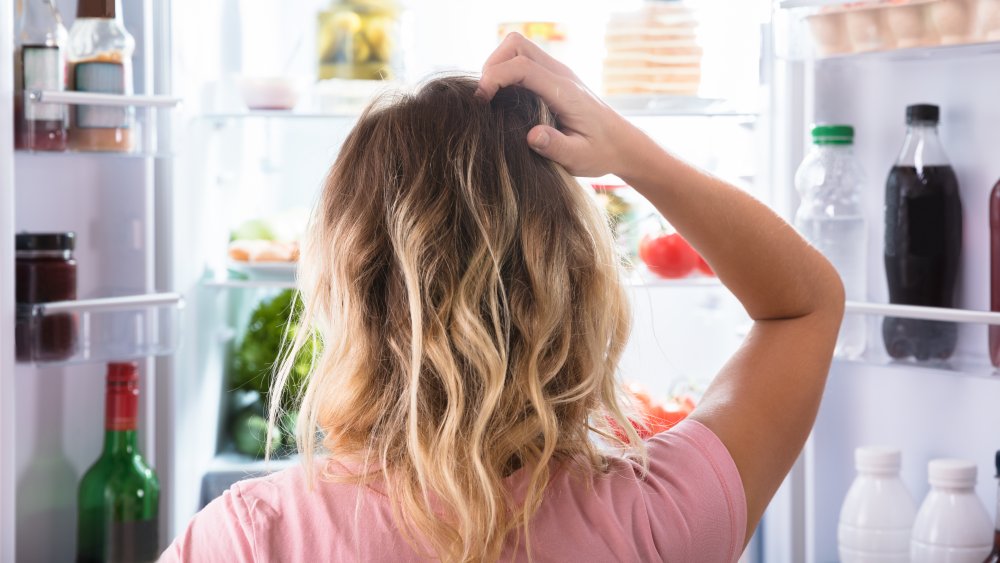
{"x":877,"y":459}
{"x":951,"y":473}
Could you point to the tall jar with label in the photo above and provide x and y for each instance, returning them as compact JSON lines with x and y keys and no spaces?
{"x":100,"y":61}
{"x":40,"y":65}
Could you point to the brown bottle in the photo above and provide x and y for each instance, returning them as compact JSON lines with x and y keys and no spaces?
{"x":995,"y":272}
{"x":994,"y":556}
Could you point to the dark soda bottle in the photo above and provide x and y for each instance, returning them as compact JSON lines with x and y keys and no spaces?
{"x":923,"y":239}
{"x":994,"y":556}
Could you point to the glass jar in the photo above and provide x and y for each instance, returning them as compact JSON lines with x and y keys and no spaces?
{"x":359,"y":39}
{"x":100,"y":61}
{"x":45,"y":271}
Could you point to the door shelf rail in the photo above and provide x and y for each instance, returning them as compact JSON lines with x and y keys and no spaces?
{"x":97,"y":99}
{"x":967,"y":354}
{"x":95,"y":330}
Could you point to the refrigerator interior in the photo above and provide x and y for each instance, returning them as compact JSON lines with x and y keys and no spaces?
{"x":160,"y":221}
{"x":926,"y":411}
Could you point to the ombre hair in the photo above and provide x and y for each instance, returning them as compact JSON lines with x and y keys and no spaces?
{"x":468,"y":301}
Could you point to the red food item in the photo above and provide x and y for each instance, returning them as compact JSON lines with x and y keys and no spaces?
{"x":668,"y":256}
{"x":704,"y":268}
{"x":658,"y":417}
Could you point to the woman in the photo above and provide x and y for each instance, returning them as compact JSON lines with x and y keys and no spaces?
{"x":466,"y":294}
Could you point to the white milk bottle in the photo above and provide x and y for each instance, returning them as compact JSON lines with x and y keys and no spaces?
{"x":952,"y":525}
{"x":878,"y":512}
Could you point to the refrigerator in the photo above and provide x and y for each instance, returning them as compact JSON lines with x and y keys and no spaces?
{"x":156,"y":284}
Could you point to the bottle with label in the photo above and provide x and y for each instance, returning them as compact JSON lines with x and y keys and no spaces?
{"x":995,"y":271}
{"x":39,"y":64}
{"x":119,"y":494}
{"x":923,"y":239}
{"x":952,"y":524}
{"x":829,"y":181}
{"x":994,"y":556}
{"x":877,"y":516}
{"x":100,"y":61}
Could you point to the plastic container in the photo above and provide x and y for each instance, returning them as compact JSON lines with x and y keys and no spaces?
{"x":877,"y":516}
{"x":830,"y":216}
{"x":952,"y":525}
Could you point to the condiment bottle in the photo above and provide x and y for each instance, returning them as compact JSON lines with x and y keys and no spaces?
{"x":40,"y":64}
{"x":877,"y":516}
{"x":45,"y":271}
{"x":100,"y":58}
{"x":952,"y":524}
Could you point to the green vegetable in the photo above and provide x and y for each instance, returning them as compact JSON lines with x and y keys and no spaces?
{"x":260,"y":350}
{"x":249,"y":431}
{"x":254,"y":229}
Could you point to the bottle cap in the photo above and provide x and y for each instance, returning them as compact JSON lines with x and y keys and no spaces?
{"x":832,"y":134}
{"x":877,"y":459}
{"x":44,"y":242}
{"x":123,"y":372}
{"x":922,"y":113}
{"x":104,"y":9}
{"x":951,"y":473}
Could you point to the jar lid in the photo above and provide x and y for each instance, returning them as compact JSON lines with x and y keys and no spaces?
{"x":877,"y":459}
{"x":952,"y":473}
{"x":45,"y":241}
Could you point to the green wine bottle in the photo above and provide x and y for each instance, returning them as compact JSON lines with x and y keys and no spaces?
{"x":119,"y":495}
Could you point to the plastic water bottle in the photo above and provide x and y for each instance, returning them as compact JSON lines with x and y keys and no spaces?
{"x":952,"y":525}
{"x":878,"y":512}
{"x":830,"y":217}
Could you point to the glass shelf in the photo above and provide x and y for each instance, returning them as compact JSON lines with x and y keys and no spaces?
{"x":968,"y":327}
{"x":281,"y":115}
{"x":93,"y":330}
{"x":640,"y":105}
{"x":228,"y":468}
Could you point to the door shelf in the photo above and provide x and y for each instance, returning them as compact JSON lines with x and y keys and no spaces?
{"x":136,"y":114}
{"x":96,"y":330}
{"x":968,"y":328}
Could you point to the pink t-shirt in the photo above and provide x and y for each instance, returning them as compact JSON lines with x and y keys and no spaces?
{"x":689,"y":507}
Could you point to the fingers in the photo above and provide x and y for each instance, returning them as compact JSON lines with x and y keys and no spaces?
{"x":515,"y":44}
{"x":522,"y":71}
{"x":551,"y":143}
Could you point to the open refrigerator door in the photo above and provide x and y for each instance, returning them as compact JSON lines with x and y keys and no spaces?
{"x":863,"y":64}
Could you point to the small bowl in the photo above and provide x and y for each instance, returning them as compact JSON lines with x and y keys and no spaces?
{"x":270,"y":93}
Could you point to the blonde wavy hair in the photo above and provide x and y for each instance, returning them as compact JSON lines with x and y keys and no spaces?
{"x":467,"y":298}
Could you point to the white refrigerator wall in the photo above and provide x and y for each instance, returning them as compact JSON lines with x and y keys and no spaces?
{"x":926,"y":412}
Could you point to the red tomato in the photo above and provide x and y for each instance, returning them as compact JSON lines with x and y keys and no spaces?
{"x":668,"y":256}
{"x":703,"y":267}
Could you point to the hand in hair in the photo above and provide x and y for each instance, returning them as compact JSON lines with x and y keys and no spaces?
{"x":586,"y":143}
{"x":763,"y":402}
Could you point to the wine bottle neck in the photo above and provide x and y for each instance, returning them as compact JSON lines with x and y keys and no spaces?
{"x":120,"y":442}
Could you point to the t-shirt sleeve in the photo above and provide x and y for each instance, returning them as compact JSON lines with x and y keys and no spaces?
{"x":702,"y":512}
{"x":222,"y":532}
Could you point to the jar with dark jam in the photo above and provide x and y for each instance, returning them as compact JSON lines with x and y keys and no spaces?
{"x":45,"y":272}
